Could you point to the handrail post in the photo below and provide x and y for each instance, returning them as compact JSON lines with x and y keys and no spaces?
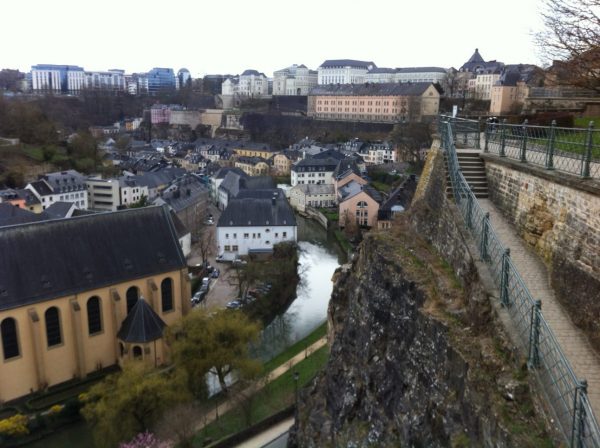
{"x":524,"y":144}
{"x":504,"y":278}
{"x":550,"y":148}
{"x":589,"y":140}
{"x":484,"y":236}
{"x":469,"y":211}
{"x":534,"y":335}
{"x":487,"y":138}
{"x":578,"y":426}
{"x":503,"y":139}
{"x":478,"y":140}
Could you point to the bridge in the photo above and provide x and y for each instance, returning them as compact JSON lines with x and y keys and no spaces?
{"x":502,"y":175}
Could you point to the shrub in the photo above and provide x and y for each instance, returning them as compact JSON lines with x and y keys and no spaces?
{"x":14,"y":426}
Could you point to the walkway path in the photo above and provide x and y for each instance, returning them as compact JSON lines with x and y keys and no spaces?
{"x":266,"y":437}
{"x":230,"y":404}
{"x":574,"y":344}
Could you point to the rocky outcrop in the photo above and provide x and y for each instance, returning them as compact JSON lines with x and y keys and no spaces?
{"x":416,"y":356}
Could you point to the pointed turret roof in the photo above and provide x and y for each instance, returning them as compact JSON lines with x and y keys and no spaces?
{"x":476,"y":57}
{"x":141,"y":325}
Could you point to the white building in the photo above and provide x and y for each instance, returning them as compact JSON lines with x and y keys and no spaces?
{"x":103,"y":194}
{"x":253,"y":83}
{"x":230,"y":86}
{"x":132,"y":191}
{"x":254,"y":223}
{"x":307,"y":195}
{"x":65,"y":186}
{"x":57,"y":78}
{"x":378,"y":153}
{"x":110,"y":80}
{"x":343,"y":71}
{"x":406,"y":74}
{"x":294,"y":80}
{"x":313,"y":171}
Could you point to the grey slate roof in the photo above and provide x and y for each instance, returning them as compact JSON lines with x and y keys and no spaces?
{"x":11,"y":215}
{"x":141,"y":325}
{"x":252,"y":72}
{"x":315,"y":164}
{"x":347,"y":63}
{"x":42,"y":187}
{"x":184,"y":192}
{"x":401,"y":196}
{"x":258,"y":211}
{"x":371,"y":89}
{"x":59,"y":210}
{"x":45,"y":260}
{"x":421,"y":70}
{"x":223,"y":172}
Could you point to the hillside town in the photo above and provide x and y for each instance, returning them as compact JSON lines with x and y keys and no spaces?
{"x":193,"y":261}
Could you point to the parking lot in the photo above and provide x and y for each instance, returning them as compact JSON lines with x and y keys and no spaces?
{"x":222,"y":289}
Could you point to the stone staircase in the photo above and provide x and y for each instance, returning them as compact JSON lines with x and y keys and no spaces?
{"x":473,"y":168}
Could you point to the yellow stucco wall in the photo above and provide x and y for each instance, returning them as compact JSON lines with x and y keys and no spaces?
{"x":80,"y":353}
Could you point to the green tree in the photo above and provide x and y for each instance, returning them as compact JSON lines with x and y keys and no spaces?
{"x":409,"y":138}
{"x":571,"y":35}
{"x":216,"y":342}
{"x":128,"y":402}
{"x":122,"y":143}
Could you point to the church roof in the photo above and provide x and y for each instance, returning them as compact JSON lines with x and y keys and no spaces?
{"x":46,"y":260}
{"x":142,"y":324}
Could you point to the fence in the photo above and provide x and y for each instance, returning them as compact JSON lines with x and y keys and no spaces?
{"x":570,"y":150}
{"x":566,"y":393}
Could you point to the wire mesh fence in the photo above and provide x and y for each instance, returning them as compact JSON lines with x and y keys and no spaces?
{"x":566,"y":394}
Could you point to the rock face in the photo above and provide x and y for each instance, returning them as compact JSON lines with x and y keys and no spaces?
{"x":416,"y":358}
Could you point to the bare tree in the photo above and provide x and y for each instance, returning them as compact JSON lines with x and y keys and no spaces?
{"x":572,"y":36}
{"x":205,"y":242}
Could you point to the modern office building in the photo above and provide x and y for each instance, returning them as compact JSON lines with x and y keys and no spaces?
{"x":57,"y":78}
{"x":161,"y":79}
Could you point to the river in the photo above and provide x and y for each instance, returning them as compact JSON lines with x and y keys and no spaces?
{"x":319,"y":256}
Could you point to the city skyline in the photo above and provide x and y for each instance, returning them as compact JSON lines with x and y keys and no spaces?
{"x":211,"y":39}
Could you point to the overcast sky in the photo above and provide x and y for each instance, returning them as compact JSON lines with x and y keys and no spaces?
{"x":229,"y":36}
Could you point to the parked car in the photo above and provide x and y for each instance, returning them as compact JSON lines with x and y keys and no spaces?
{"x":234,"y":305}
{"x":215,"y":273}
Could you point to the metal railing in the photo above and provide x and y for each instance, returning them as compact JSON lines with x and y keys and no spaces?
{"x":570,"y":150}
{"x":566,"y":393}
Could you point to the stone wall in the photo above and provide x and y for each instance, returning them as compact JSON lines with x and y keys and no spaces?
{"x":558,"y":215}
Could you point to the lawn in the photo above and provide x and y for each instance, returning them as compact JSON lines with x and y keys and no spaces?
{"x":298,"y":347}
{"x":342,"y":240}
{"x":274,"y":397}
{"x":585,"y":121}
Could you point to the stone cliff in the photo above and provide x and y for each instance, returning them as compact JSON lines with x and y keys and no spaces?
{"x":417,"y":358}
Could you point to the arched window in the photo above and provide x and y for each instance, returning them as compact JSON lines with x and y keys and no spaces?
{"x":94,"y":315}
{"x":137,"y":351}
{"x":166,"y":291}
{"x":53,"y":327}
{"x":10,"y":341}
{"x":361,"y":204}
{"x":132,"y":297}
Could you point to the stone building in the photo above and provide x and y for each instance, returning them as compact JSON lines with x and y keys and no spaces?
{"x":380,"y":102}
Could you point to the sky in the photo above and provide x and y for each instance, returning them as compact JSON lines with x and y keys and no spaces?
{"x":229,"y":36}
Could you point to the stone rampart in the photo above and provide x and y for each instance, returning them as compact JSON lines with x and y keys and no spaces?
{"x":558,"y":215}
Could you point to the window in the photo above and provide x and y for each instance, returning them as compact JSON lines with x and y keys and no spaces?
{"x":246,"y":235}
{"x":10,"y":341}
{"x":53,"y":335}
{"x":235,"y":248}
{"x":258,"y":235}
{"x":284,"y":234}
{"x":93,"y":315}
{"x":132,"y":297}
{"x":166,"y":292}
{"x":137,"y":352}
{"x":227,"y":235}
{"x":227,"y":248}
{"x":361,"y":204}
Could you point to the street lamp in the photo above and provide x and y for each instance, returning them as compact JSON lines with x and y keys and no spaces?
{"x":296,"y":377}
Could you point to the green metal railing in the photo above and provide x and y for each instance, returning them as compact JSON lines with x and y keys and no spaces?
{"x":565,"y":392}
{"x":570,"y":150}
